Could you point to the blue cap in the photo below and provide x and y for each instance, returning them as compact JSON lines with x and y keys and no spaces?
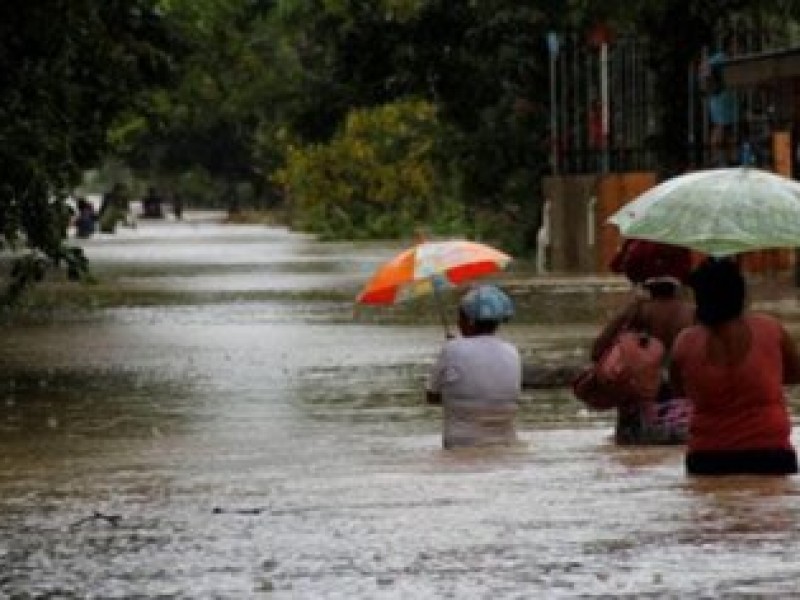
{"x":487,"y":303}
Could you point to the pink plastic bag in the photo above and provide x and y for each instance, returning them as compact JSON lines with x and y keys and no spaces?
{"x":632,"y":367}
{"x":628,"y":372}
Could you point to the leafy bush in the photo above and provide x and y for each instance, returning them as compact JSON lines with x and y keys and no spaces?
{"x":376,"y":178}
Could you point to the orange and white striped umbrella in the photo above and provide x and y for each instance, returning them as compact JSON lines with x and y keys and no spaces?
{"x":428,"y":267}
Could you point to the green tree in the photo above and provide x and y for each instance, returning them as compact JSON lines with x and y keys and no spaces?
{"x":376,"y":178}
{"x":250,"y":74}
{"x":261,"y":73}
{"x":483,"y":64}
{"x":68,"y":69}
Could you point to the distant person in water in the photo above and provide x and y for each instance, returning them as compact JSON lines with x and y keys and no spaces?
{"x":152,"y":204}
{"x":733,"y":365}
{"x":477,"y":377}
{"x":177,"y":205}
{"x":85,"y":219}
{"x":113,"y":208}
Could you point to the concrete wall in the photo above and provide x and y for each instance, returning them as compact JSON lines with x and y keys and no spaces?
{"x":569,"y":197}
{"x":581,"y":240}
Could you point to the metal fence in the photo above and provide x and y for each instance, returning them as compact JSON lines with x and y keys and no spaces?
{"x":602,"y":103}
{"x":604,"y":110}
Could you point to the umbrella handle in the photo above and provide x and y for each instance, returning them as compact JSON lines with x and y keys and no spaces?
{"x":440,"y":307}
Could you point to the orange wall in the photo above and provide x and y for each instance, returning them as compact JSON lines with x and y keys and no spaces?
{"x":614,"y":190}
{"x":571,"y":251}
{"x":773,"y":260}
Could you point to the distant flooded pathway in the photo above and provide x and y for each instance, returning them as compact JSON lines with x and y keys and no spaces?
{"x":212,"y":421}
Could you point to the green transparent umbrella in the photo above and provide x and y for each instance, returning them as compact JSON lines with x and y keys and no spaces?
{"x":717,"y":212}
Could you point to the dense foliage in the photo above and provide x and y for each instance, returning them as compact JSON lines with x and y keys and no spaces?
{"x":481,"y":65}
{"x":68,"y":69}
{"x":376,"y":178}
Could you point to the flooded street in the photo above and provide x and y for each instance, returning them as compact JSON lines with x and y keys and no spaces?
{"x":213,"y":419}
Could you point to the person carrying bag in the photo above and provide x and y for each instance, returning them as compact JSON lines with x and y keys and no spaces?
{"x":628,"y":372}
{"x":630,"y":360}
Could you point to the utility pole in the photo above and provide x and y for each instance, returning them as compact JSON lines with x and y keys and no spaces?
{"x":552,"y":46}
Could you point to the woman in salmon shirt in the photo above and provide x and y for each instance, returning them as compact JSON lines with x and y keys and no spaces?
{"x":733,"y":365}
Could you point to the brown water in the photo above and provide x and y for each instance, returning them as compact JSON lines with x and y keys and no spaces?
{"x":218,"y":424}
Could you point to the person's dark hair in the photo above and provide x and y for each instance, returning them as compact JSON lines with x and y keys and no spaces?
{"x":480,"y":327}
{"x":719,"y":291}
{"x":662,"y":288}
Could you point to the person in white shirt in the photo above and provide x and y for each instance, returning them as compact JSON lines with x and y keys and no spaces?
{"x":477,"y":377}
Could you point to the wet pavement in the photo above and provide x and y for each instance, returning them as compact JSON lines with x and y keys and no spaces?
{"x":212,"y":419}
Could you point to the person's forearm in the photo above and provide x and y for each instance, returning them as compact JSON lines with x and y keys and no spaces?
{"x":606,"y":337}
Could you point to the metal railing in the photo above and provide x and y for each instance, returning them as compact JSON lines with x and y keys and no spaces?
{"x":604,"y":112}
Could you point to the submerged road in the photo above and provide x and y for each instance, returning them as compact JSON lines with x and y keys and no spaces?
{"x":213,"y":419}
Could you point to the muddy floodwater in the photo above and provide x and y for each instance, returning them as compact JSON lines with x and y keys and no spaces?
{"x":213,"y":419}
